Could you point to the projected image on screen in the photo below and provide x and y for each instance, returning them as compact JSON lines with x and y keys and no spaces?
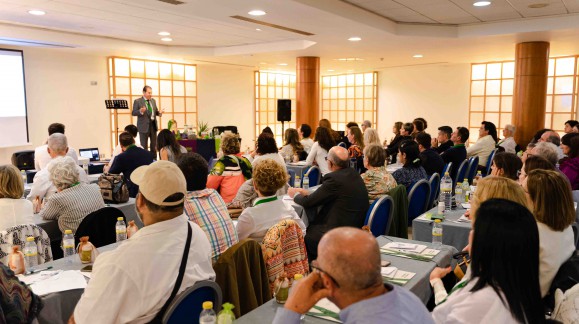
{"x":13,"y":111}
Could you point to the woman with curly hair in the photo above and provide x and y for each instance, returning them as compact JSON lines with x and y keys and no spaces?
{"x":324,"y":141}
{"x":268,"y":209}
{"x":292,"y":146}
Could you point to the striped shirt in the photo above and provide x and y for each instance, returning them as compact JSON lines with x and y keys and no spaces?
{"x":71,"y":205}
{"x":207,"y":209}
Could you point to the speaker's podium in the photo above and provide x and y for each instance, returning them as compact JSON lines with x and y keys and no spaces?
{"x":284,"y":112}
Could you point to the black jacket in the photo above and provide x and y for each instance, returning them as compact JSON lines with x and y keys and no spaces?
{"x":444,"y":146}
{"x":455,"y":155}
{"x":127,"y":162}
{"x":392,"y":149}
{"x":431,"y":162}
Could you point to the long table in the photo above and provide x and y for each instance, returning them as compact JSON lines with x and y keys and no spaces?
{"x":454,"y":233}
{"x":419,"y":284}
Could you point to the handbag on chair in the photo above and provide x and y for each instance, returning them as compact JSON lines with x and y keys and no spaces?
{"x":113,"y":188}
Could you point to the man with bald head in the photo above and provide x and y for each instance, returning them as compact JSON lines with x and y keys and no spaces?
{"x":347,"y":272}
{"x":341,"y":200}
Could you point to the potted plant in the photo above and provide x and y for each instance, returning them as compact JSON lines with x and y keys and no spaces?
{"x":203,"y":129}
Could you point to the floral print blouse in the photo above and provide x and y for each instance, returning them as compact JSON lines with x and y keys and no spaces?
{"x":378,"y":182}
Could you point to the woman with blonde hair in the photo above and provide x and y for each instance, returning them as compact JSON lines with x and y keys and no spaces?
{"x":497,"y":187}
{"x":377,"y":179}
{"x":550,"y":193}
{"x":268,"y":209}
{"x":371,"y":137}
{"x":13,"y":209}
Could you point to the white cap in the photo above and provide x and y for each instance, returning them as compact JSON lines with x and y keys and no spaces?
{"x":160,"y":180}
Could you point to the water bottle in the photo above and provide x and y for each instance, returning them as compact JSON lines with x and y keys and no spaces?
{"x":23,"y":174}
{"x":121,"y":229}
{"x":207,"y":315}
{"x":306,"y":182}
{"x":297,"y":182}
{"x":466,"y":191}
{"x":446,"y":191}
{"x":30,"y":254}
{"x":437,"y":233}
{"x":85,"y":168}
{"x":458,"y":193}
{"x":68,"y":245}
{"x":477,"y":178}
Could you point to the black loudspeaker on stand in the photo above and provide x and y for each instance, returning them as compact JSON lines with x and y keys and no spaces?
{"x":284,"y":112}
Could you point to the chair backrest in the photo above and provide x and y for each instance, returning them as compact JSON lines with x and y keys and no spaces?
{"x":379,"y":216}
{"x":447,"y":168}
{"x":187,"y":307}
{"x":418,"y":200}
{"x":434,"y":189}
{"x":472,"y":168}
{"x":292,"y":177}
{"x":342,"y":144}
{"x":240,"y":272}
{"x":314,"y":175}
{"x":99,"y":226}
{"x":575,"y":228}
{"x":460,"y":173}
{"x":284,"y":251}
{"x":16,"y":235}
{"x":490,"y":162}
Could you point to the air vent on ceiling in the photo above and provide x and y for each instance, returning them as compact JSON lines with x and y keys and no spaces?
{"x":263,"y":23}
{"x":173,"y":2}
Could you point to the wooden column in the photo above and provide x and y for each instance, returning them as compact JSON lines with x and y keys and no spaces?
{"x":308,"y":91}
{"x":530,"y":91}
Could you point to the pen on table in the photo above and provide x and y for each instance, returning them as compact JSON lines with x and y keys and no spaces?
{"x":38,"y":270}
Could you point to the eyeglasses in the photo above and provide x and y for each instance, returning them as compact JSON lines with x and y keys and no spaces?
{"x":316,"y":267}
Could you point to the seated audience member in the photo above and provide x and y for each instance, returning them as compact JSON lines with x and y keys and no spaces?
{"x":73,"y":200}
{"x":405,"y":132}
{"x":424,"y":123}
{"x":371,"y":137}
{"x":319,"y":152}
{"x":576,"y":128}
{"x":548,"y":151}
{"x":341,"y":200}
{"x":553,"y":137}
{"x":485,"y":143}
{"x":569,"y":126}
{"x":42,"y":186}
{"x":553,"y":208}
{"x":18,"y":304}
{"x":131,"y":158}
{"x":267,"y":130}
{"x":538,"y":134}
{"x":205,"y":207}
{"x":305,"y":133}
{"x":335,"y":135}
{"x":442,"y":142}
{"x":168,"y":147}
{"x":418,"y":127}
{"x":134,"y":131}
{"x":41,"y":155}
{"x":506,"y":165}
{"x":497,"y":187}
{"x":144,"y":268}
{"x":346,"y":139}
{"x":347,"y":272}
{"x":533,"y":163}
{"x":230,"y":171}
{"x":268,"y":209}
{"x":528,"y":151}
{"x":396,"y":130}
{"x":570,"y":165}
{"x":508,"y":142}
{"x":13,"y":209}
{"x":457,"y":153}
{"x":412,"y":169}
{"x":266,"y":149}
{"x":293,"y":146}
{"x":377,"y":179}
{"x":356,"y":140}
{"x":491,"y":291}
{"x":431,"y":160}
{"x":365,"y":125}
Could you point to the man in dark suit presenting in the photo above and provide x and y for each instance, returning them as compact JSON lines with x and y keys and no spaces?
{"x":341,"y":200}
{"x":145,"y":108}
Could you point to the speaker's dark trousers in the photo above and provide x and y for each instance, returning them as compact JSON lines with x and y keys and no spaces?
{"x":152,"y":134}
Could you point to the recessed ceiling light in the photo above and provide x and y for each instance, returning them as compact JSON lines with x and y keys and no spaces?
{"x":418,"y":56}
{"x":37,"y":12}
{"x":258,"y":29}
{"x":164,"y":33}
{"x":537,"y":5}
{"x":354,"y":39}
{"x":330,"y":70}
{"x":282,"y":64}
{"x":481,"y":3}
{"x":167,"y":39}
{"x":257,"y":12}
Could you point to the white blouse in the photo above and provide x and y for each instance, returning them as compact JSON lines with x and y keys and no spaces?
{"x":15,"y":212}
{"x":554,"y":249}
{"x":318,"y":154}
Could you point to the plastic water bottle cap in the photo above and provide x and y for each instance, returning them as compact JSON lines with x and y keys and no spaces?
{"x":437,"y":221}
{"x":68,"y":232}
{"x":208,"y":305}
{"x":298,"y":276}
{"x":30,"y":239}
{"x":446,"y":173}
{"x":119,"y":218}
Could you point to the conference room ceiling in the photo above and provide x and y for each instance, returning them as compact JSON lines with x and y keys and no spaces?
{"x":222,"y":31}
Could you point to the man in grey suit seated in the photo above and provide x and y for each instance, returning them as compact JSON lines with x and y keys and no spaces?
{"x":145,"y":108}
